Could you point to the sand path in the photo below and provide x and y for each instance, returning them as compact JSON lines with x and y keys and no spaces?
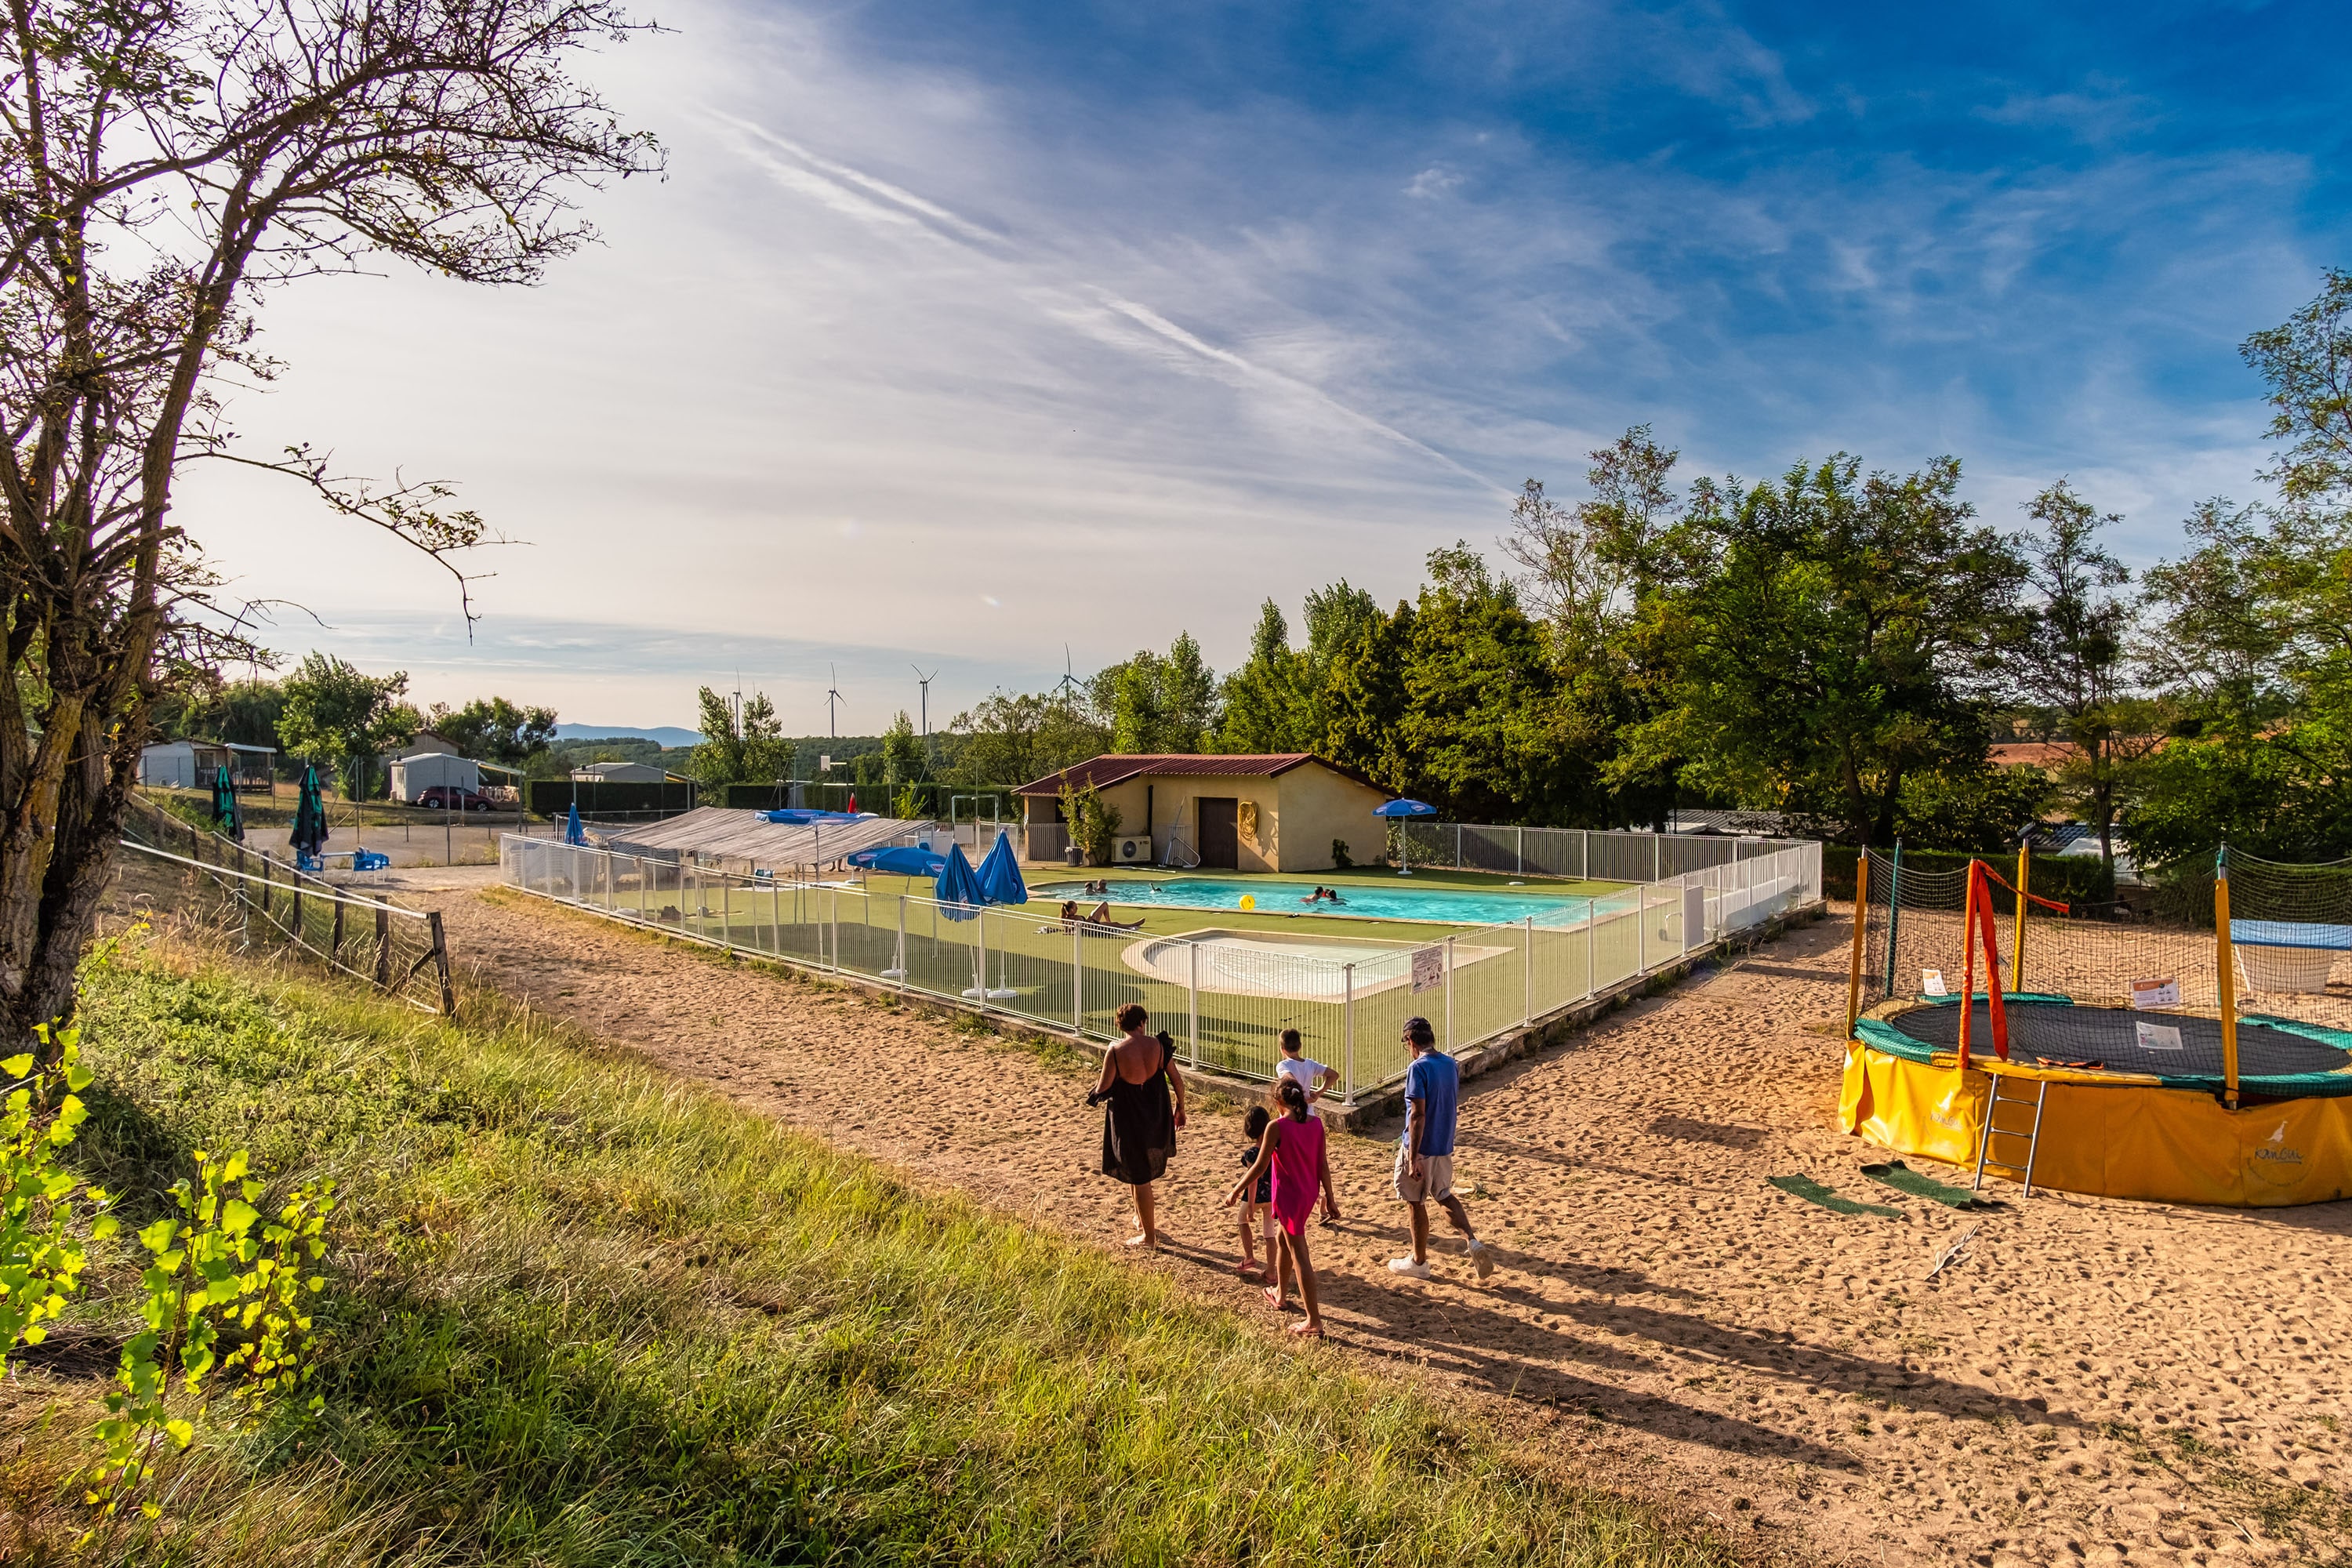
{"x":2095,"y":1381}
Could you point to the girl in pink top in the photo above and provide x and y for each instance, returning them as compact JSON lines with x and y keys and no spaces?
{"x":1293,"y":1149}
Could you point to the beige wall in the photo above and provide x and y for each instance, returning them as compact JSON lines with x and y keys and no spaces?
{"x":1319,"y":805}
{"x":1298,"y":814}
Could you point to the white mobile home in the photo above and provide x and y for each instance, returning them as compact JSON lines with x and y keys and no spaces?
{"x":412,"y":775}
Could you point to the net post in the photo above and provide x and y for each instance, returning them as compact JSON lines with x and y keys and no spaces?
{"x":2017,"y":942}
{"x":1893,"y":911}
{"x":1861,"y":918}
{"x":2225,"y":973}
{"x":1968,"y":957}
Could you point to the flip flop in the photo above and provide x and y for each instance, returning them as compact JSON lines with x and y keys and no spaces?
{"x":1273,"y":1294}
{"x":1305,"y":1330}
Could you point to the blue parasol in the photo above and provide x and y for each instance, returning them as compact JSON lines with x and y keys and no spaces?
{"x":1000,"y":874}
{"x":901,"y":860}
{"x":309,"y":834}
{"x":572,"y":831}
{"x":958,"y":889}
{"x":224,"y":812}
{"x":1399,"y":812}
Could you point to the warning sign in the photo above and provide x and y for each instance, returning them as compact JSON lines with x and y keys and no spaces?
{"x":1931,"y":983}
{"x":1428,"y":968}
{"x":2150,"y":994}
{"x":2158,"y":1037}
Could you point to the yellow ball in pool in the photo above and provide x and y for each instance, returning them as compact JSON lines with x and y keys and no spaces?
{"x":1249,"y":900}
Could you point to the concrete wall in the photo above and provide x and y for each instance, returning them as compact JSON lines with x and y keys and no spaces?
{"x":1319,"y":805}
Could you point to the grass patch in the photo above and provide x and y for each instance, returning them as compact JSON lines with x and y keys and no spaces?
{"x":584,"y":1316}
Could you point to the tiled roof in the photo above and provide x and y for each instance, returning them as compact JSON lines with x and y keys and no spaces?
{"x":1114,"y":769}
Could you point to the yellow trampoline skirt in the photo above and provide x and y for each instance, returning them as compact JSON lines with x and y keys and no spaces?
{"x":2118,"y":1140}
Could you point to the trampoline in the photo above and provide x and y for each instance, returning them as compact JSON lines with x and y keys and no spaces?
{"x":2198,"y":1097}
{"x":2277,"y":1057}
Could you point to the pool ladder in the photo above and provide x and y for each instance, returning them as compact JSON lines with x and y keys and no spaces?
{"x":1993,"y":1129}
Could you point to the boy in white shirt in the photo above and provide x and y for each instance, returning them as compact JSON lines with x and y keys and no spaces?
{"x":1315,"y":1079}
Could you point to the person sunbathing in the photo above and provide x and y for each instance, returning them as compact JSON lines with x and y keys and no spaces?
{"x":1100,"y":916}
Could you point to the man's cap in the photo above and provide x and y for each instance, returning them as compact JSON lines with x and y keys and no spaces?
{"x":1418,"y":1031}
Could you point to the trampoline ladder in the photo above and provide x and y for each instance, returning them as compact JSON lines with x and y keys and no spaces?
{"x":1993,"y":1129}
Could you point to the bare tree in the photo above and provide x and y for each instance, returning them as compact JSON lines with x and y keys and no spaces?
{"x":1583,"y":565}
{"x":162,"y":163}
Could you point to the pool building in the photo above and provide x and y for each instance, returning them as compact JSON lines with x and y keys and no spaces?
{"x":1289,"y":811}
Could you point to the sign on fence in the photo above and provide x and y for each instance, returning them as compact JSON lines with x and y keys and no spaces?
{"x":1428,"y":968}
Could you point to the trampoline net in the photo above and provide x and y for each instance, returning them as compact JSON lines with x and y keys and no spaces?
{"x":2150,"y":959}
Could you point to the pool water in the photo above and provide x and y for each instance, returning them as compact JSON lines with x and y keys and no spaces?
{"x":1455,"y":906}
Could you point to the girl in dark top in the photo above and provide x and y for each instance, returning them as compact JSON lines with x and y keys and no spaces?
{"x":1145,"y":1105}
{"x":1257,"y":1209}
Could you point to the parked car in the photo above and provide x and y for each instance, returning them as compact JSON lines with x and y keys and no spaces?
{"x":453,"y":797}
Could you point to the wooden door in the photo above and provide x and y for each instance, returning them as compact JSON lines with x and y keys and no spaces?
{"x":1221,"y":845}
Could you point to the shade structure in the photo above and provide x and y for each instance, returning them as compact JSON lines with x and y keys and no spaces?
{"x":309,"y":834}
{"x":958,"y":889}
{"x":1405,"y":808}
{"x":1000,"y":874}
{"x":899,"y":860}
{"x":802,"y":816}
{"x":225,"y":812}
{"x":573,"y":832}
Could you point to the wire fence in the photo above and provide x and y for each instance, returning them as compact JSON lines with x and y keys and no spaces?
{"x":1227,"y":995}
{"x":267,"y":903}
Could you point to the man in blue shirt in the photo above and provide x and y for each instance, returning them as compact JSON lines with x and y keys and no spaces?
{"x":1424,"y":1167}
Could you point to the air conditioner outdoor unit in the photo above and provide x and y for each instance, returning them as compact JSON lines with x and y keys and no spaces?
{"x":1134,"y":851}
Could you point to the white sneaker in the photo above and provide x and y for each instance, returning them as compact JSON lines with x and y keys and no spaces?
{"x":1482,"y":1258}
{"x":1407,"y":1267}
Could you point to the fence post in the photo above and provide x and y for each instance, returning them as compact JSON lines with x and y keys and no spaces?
{"x":1592,"y":947}
{"x":1457,"y":847}
{"x":1523,"y":852}
{"x":1658,"y":857}
{"x":1529,"y":1015}
{"x":1449,"y":995}
{"x":382,"y":948}
{"x":832,"y":910}
{"x":335,"y":939}
{"x":441,"y":963}
{"x":1077,"y":976}
{"x":1642,"y":929}
{"x":1193,"y":948}
{"x":297,"y":898}
{"x":1347,"y":1031}
{"x":1585,"y":854}
{"x":727,"y":911}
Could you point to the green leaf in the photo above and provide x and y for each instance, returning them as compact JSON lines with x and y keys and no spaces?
{"x":238,"y":1216}
{"x":18,"y":1065}
{"x":181,"y":1432}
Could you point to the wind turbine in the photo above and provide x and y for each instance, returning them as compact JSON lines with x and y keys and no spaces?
{"x":832,"y":695}
{"x":1069,"y":681}
{"x":925,"y":682}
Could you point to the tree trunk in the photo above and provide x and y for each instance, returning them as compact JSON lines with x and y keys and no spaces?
{"x":91,"y":801}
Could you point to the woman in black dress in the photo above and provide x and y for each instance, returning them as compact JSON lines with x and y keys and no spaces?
{"x":1145,"y":1096}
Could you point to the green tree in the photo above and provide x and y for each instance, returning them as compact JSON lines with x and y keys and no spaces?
{"x":2252,"y":637}
{"x":902,"y":751}
{"x":1268,"y":702}
{"x":1156,"y":703}
{"x":1362,"y":697}
{"x":338,"y":716}
{"x":494,"y":730}
{"x":169,"y":167}
{"x":1480,"y":695}
{"x":1829,"y":635}
{"x":1979,"y":809}
{"x":2072,"y":654}
{"x":747,"y":747}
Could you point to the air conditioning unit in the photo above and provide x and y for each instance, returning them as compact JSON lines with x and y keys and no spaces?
{"x":1132,"y":851}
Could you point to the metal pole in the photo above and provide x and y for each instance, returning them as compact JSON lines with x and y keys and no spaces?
{"x":1894,"y":911}
{"x":1528,"y":1014}
{"x":1078,"y":979}
{"x":2225,"y":970}
{"x":1347,"y":1029}
{"x":902,"y":940}
{"x":1522,"y":852}
{"x":2017,"y":944}
{"x":1592,"y":946}
{"x":1641,"y":928}
{"x":1861,"y":922}
{"x":1195,"y":950}
{"x":1457,"y":847}
{"x":726,"y":911}
{"x":1449,"y":995}
{"x":833,"y":908}
{"x":1657,"y":857}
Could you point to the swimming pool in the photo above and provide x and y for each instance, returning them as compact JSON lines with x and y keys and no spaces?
{"x":1380,"y":901}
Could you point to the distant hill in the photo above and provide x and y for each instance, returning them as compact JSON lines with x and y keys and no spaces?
{"x":664,"y":735}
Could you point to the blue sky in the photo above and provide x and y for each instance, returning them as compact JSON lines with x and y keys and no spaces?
{"x":960,"y":333}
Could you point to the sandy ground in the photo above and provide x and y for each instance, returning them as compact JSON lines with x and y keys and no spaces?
{"x":2094,"y":1381}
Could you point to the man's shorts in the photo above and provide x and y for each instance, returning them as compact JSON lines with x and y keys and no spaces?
{"x":1436,"y":1182}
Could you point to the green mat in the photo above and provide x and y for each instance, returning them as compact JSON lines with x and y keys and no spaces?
{"x":1813,"y":1192}
{"x":1904,"y":1179}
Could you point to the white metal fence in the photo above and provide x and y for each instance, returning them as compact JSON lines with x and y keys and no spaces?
{"x":1225,"y":996}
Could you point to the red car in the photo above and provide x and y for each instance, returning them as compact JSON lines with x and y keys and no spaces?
{"x":452,"y":797}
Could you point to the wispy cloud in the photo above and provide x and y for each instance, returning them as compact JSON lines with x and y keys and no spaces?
{"x":937,"y":343}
